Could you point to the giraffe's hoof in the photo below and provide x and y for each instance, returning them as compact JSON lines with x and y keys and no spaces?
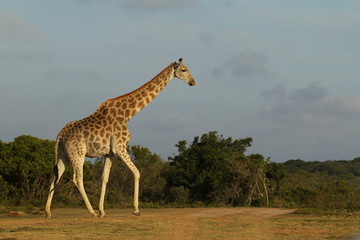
{"x":136,"y":213}
{"x":95,"y":215}
{"x":47,"y":214}
{"x":101,"y":213}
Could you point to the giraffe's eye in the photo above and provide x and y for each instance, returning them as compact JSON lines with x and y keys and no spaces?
{"x":183,"y":70}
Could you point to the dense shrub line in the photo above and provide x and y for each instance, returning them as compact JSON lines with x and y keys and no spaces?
{"x":209,"y":171}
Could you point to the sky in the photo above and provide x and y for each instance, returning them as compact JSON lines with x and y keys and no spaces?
{"x":285,"y":73}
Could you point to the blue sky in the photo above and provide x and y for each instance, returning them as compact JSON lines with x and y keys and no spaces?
{"x":285,"y":73}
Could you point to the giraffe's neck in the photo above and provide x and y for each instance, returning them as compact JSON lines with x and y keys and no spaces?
{"x":136,"y":100}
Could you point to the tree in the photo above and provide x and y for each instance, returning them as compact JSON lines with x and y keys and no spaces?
{"x":248,"y":183}
{"x":25,"y":165}
{"x":215,"y":169}
{"x":4,"y":190}
{"x":120,"y":186}
{"x":151,"y":168}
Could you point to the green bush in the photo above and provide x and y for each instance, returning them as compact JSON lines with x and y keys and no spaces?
{"x":4,"y":190}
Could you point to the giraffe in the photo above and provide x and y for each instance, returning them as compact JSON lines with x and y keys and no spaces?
{"x":105,"y":133}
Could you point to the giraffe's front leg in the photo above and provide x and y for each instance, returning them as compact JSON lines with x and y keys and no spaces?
{"x":105,"y":179}
{"x":127,"y":160}
{"x":136,"y":211}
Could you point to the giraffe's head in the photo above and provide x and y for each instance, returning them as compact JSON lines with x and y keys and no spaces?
{"x":182,"y":72}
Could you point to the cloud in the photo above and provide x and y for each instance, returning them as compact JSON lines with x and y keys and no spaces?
{"x":145,"y":4}
{"x":310,"y":104}
{"x":218,"y":73}
{"x":156,"y":4}
{"x":31,"y":55}
{"x":279,"y":91}
{"x":308,"y":95}
{"x":247,"y":63}
{"x":308,"y":123}
{"x":14,"y":27}
{"x":206,"y":37}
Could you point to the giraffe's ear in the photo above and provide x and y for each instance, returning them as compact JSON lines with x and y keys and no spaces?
{"x":176,"y":65}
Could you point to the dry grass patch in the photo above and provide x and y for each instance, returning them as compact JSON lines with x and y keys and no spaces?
{"x":188,"y":223}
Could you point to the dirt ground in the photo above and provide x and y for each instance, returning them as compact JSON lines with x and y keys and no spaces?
{"x":188,"y":223}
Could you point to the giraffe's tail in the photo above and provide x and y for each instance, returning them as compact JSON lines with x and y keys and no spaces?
{"x":55,"y":178}
{"x":56,"y":150}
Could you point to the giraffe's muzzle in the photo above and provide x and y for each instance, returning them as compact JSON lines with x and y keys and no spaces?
{"x":192,"y":82}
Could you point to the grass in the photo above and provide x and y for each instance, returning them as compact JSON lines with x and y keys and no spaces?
{"x":188,"y":223}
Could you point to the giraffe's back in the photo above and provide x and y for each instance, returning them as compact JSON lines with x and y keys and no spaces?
{"x":90,"y":136}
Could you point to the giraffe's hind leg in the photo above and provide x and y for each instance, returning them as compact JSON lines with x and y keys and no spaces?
{"x":78,"y":180}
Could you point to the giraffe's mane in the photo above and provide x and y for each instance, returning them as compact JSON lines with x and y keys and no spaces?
{"x":143,"y":86}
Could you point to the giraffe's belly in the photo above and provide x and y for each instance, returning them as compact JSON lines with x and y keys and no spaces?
{"x":97,"y":148}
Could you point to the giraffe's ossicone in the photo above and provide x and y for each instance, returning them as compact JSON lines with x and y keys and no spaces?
{"x":105,"y":133}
